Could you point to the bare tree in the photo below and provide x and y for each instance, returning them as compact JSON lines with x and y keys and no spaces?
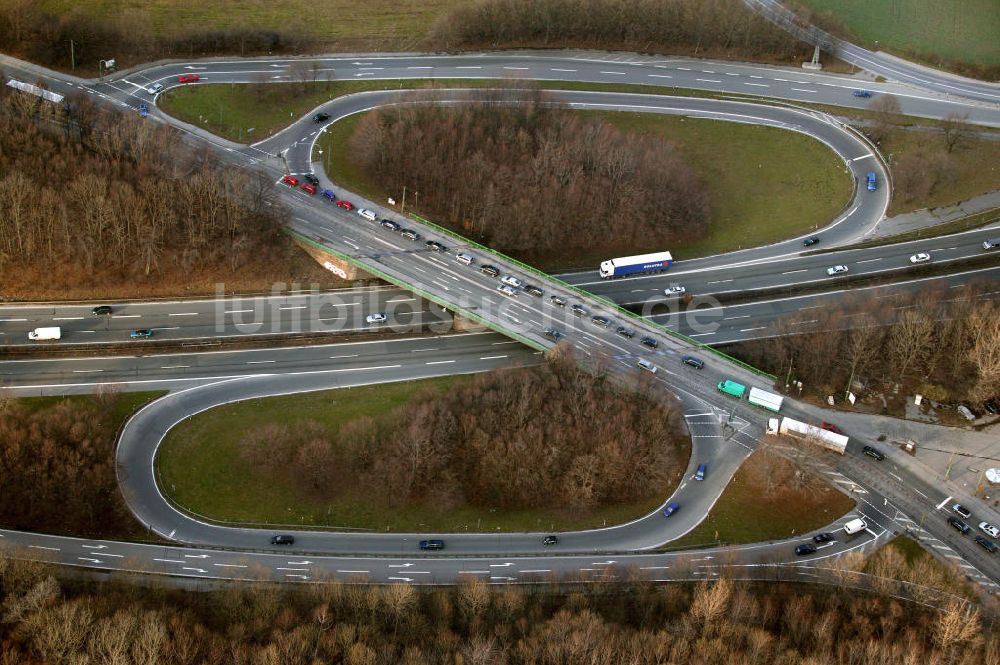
{"x":885,"y":111}
{"x":956,"y":129}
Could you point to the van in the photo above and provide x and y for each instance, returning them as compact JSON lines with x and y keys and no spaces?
{"x":855,"y":526}
{"x":991,"y":243}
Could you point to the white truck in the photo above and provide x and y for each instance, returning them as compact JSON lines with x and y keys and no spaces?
{"x":821,"y":437}
{"x":855,"y":526}
{"x":764,"y":399}
{"x":41,"y":334}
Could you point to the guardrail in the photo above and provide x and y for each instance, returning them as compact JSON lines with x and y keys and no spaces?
{"x":418,"y":291}
{"x":586,"y":294}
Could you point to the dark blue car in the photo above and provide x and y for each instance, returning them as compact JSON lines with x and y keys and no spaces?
{"x":671,"y":508}
{"x":862,"y":93}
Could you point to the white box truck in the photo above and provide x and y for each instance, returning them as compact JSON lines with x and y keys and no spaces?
{"x":41,"y":334}
{"x":821,"y":437}
{"x":764,"y":399}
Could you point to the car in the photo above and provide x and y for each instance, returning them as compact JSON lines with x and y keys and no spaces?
{"x":464,"y":258}
{"x":432,"y":544}
{"x":987,"y":544}
{"x":962,"y":510}
{"x":533,"y":290}
{"x":410,"y":233}
{"x":862,"y":93}
{"x":487,"y":269}
{"x":602,"y":321}
{"x":141,"y":332}
{"x":579,"y":310}
{"x":552,"y":333}
{"x":920,"y":257}
{"x":389,"y":224}
{"x":511,"y":281}
{"x":550,"y":540}
{"x":308,"y":188}
{"x":871,"y":181}
{"x":646,"y":365}
{"x":627,"y":333}
{"x":821,"y":538}
{"x":155,"y":88}
{"x":810,"y":241}
{"x":329,"y":194}
{"x":959,"y":524}
{"x":650,"y":342}
{"x":557,"y":301}
{"x":321,"y":117}
{"x":805,"y":548}
{"x":671,"y":508}
{"x":378,"y":317}
{"x":188,"y":78}
{"x":346,"y":205}
{"x":988,"y":528}
{"x":700,"y":473}
{"x":674,"y":291}
{"x":830,"y":427}
{"x":697,"y":363}
{"x":436,"y":246}
{"x":992,"y":405}
{"x":836,"y":270}
{"x":290,"y":180}
{"x":312,"y":179}
{"x":508,"y":291}
{"x":966,"y":412}
{"x":101,"y":310}
{"x":874,"y":453}
{"x":282,"y":540}
{"x":368,"y":214}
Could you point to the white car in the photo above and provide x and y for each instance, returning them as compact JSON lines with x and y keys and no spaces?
{"x":507,"y":290}
{"x":646,"y":365}
{"x":836,"y":270}
{"x":462,"y":257}
{"x":367,"y":214}
{"x":986,"y":527}
{"x":674,"y":291}
{"x":920,"y":258}
{"x":511,"y":281}
{"x":375,"y":318}
{"x":155,"y":88}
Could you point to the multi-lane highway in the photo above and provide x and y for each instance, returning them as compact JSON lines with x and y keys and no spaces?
{"x":437,"y":277}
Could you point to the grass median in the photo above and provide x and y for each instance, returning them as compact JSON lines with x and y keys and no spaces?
{"x":200,"y":469}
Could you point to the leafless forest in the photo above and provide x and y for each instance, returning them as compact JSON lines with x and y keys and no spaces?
{"x":57,"y":467}
{"x":698,"y":27}
{"x":93,"y":197}
{"x":720,"y":623}
{"x":533,"y":180}
{"x":944,"y":343}
{"x":553,"y":436}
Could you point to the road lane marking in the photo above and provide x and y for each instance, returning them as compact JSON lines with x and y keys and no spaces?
{"x":238,"y":311}
{"x":182,"y":314}
{"x":943,"y":503}
{"x":759,"y":85}
{"x":230,"y":565}
{"x":802,"y":90}
{"x":492,"y":357}
{"x":168,"y":560}
{"x":43,"y":547}
{"x":563,"y":70}
{"x":439,"y":362}
{"x":708,"y":81}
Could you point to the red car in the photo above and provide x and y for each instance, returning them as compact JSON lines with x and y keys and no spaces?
{"x":290,"y":180}
{"x":308,"y":188}
{"x":188,"y":78}
{"x":830,"y":427}
{"x":346,"y":205}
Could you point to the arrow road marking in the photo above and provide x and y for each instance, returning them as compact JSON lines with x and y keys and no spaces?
{"x":505,"y":579}
{"x":401,"y":579}
{"x":299,"y":563}
{"x":196,"y":556}
{"x":301,"y":577}
{"x":603,"y":563}
{"x":196,"y":570}
{"x":400,"y":565}
{"x":501,"y":565}
{"x":95,"y":547}
{"x":83,"y":558}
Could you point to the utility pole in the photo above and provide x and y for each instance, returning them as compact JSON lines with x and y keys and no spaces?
{"x":402,"y":208}
{"x":72,"y":55}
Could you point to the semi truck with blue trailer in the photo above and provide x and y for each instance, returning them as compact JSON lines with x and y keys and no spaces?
{"x":634,"y":265}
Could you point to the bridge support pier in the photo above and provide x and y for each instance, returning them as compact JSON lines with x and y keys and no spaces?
{"x":335,"y":264}
{"x":461,"y":324}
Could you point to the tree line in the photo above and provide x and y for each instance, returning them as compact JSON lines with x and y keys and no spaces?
{"x":88,"y":195}
{"x":532,"y":179}
{"x":553,"y":436}
{"x":698,"y":27}
{"x":943,"y":343}
{"x":29,"y":29}
{"x":720,"y":622}
{"x":57,"y":467}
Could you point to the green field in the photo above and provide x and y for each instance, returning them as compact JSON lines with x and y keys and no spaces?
{"x":966,"y":32}
{"x":199,"y":468}
{"x":393,"y":23}
{"x":744,"y":514}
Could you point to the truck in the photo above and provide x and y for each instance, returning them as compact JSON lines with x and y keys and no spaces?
{"x":764,"y":399}
{"x":856,"y":525}
{"x":732,"y":388}
{"x":41,"y":334}
{"x":634,"y":265}
{"x":800,"y":430}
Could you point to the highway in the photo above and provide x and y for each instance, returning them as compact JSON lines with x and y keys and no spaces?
{"x":436,"y":277}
